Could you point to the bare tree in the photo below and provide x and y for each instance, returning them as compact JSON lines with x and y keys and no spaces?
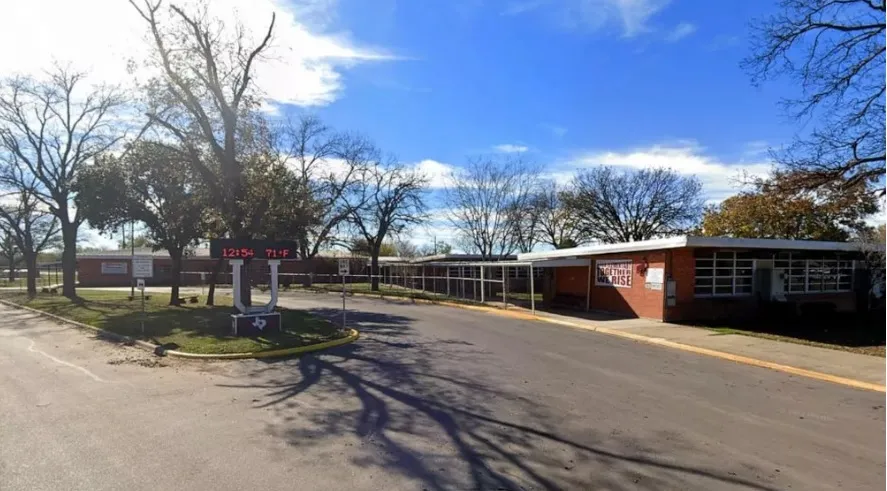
{"x":388,"y":201}
{"x":613,"y":206}
{"x":556,"y":223}
{"x":32,"y":228}
{"x":487,"y":201}
{"x":204,"y":99}
{"x":329,"y":165}
{"x":834,"y":49}
{"x":9,"y":250}
{"x":49,"y":129}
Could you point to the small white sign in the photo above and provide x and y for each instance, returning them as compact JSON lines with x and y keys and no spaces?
{"x":143,"y":266}
{"x":344,"y":267}
{"x":655,"y":278}
{"x":140,"y":284}
{"x":114,"y":268}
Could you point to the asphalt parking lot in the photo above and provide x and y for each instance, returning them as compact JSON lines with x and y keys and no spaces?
{"x":430,"y":397}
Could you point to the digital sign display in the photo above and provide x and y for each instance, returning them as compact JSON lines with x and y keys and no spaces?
{"x":252,"y":249}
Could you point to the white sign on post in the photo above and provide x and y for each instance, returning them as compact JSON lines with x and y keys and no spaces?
{"x":655,"y":278}
{"x":140,"y":284}
{"x":143,"y":267}
{"x":344,"y":267}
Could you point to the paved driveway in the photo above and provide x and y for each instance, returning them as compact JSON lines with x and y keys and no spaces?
{"x":429,"y":398}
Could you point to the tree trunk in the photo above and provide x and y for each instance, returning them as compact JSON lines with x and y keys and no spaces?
{"x":176,"y":258}
{"x":31,"y":265}
{"x":69,"y":259}
{"x":374,"y":270}
{"x":214,"y":277}
{"x":11,"y":268}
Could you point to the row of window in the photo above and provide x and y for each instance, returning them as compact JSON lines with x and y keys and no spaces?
{"x":732,"y":274}
{"x":724,"y":273}
{"x":812,"y":276}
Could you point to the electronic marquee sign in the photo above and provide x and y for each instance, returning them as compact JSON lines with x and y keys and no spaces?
{"x":252,"y":249}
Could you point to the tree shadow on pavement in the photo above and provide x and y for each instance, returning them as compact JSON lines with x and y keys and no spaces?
{"x":447,"y":425}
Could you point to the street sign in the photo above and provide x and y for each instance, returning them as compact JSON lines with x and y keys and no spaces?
{"x":344,"y":267}
{"x":142,"y":267}
{"x":140,"y":284}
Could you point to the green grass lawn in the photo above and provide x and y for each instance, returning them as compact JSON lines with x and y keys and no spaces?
{"x":872,"y":348}
{"x":194,"y":328}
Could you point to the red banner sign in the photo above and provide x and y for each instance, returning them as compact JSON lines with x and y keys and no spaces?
{"x":613,"y":272}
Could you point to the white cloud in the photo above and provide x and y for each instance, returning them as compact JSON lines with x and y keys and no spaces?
{"x":680,"y":31}
{"x":99,"y":36}
{"x":510,"y":148}
{"x":632,"y":16}
{"x":719,"y":179}
{"x":438,"y":173}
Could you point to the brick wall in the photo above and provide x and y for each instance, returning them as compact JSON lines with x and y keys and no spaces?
{"x":636,"y":301}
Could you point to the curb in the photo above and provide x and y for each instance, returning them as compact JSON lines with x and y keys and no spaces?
{"x":859,"y":384}
{"x":353,"y":335}
{"x":517,"y":314}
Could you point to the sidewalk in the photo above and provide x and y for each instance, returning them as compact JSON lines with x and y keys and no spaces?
{"x":844,"y":364}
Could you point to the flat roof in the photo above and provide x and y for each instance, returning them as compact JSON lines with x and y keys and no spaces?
{"x":690,"y":241}
{"x":459,"y":257}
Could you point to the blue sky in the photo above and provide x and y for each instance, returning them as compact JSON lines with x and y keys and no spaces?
{"x":568,"y":84}
{"x":479,"y":73}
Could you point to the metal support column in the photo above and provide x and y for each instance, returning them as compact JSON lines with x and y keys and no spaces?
{"x":448,"y":281}
{"x":532,"y":291}
{"x":504,"y":288}
{"x":482,"y":287}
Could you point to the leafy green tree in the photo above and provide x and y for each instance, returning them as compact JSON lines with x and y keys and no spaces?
{"x":769,"y":213}
{"x":155,"y":186}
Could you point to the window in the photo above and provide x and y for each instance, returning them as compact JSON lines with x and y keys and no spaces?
{"x":724,"y":274}
{"x":815,"y":275}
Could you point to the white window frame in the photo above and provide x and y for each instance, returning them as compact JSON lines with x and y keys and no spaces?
{"x":825,"y":264}
{"x":733,"y":276}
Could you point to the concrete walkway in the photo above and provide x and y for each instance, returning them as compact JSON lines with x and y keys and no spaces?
{"x":828,"y":361}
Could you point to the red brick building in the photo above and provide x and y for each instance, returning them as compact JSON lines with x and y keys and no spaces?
{"x":113,"y":268}
{"x":704,"y":278}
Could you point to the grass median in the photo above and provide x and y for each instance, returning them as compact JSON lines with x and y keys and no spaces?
{"x":193,"y":328}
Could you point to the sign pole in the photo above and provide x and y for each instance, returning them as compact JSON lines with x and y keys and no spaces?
{"x":143,"y":311}
{"x":345,"y":270}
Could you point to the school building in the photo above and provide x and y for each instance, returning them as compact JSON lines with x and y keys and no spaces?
{"x":704,"y":278}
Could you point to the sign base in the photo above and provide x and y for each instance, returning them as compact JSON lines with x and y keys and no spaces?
{"x":255,"y":324}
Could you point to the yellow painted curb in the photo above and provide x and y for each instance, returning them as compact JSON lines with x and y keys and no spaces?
{"x":352,"y":336}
